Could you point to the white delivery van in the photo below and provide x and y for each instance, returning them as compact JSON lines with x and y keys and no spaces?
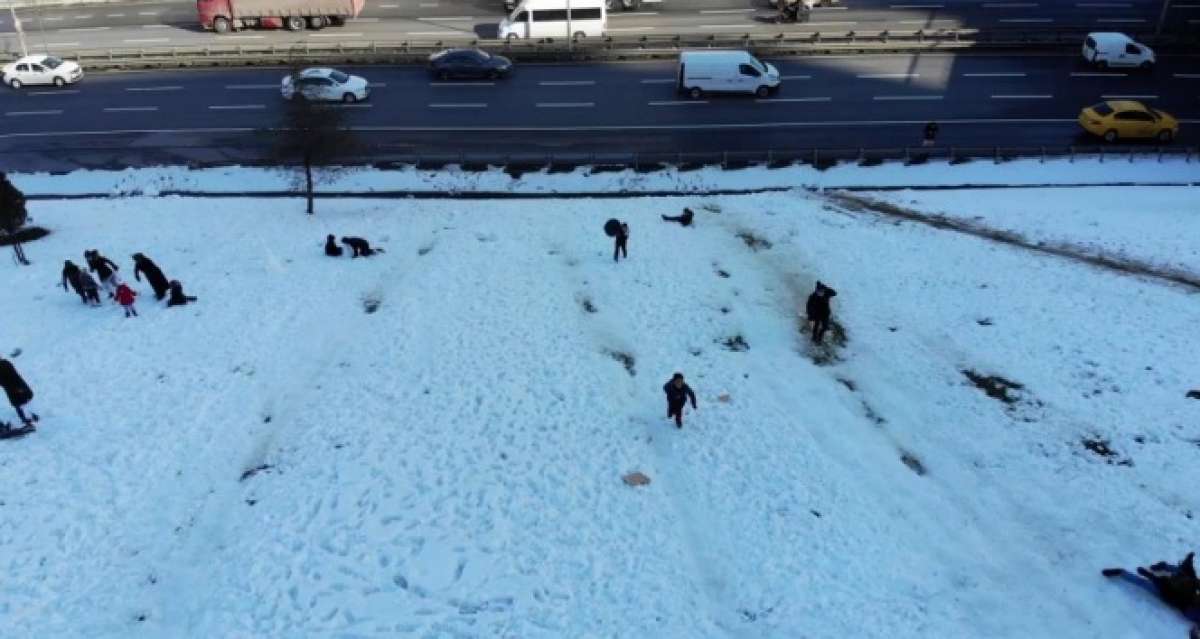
{"x":703,"y":72}
{"x":552,"y":19}
{"x":1116,"y":50}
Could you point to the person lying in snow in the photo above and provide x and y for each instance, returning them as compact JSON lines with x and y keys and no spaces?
{"x":177,"y":297}
{"x":1176,"y":586}
{"x":685,"y":219}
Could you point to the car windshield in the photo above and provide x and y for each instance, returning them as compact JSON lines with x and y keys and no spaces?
{"x":1102,"y":109}
{"x":1157,"y":114}
{"x":52,"y":62}
{"x":339,"y":77}
{"x":759,"y":65}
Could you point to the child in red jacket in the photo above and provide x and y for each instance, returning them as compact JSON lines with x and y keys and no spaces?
{"x":125,"y":296}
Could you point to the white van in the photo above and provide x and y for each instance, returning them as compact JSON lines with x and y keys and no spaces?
{"x":1116,"y":50}
{"x":703,"y":72}
{"x":551,"y":19}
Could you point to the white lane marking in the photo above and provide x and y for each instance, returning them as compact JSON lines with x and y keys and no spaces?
{"x":883,"y":98}
{"x":1119,"y":20}
{"x":994,"y":75}
{"x":335,"y":35}
{"x":145,"y":40}
{"x":343,"y":105}
{"x":676,"y":102}
{"x":14,"y":114}
{"x":147,"y":13}
{"x":84,"y":16}
{"x":431,"y":33}
{"x":1022,"y":97}
{"x":1096,"y":74}
{"x":917,"y":6}
{"x":236,"y":107}
{"x":58,"y":92}
{"x":450,"y":19}
{"x":238,"y":87}
{"x":1022,"y":20}
{"x":151,"y":89}
{"x":728,"y":10}
{"x":627,"y":29}
{"x":1187,"y":75}
{"x":52,"y":18}
{"x":377,"y":85}
{"x":83,"y":29}
{"x":658,"y":81}
{"x":1103,"y":5}
{"x":461,"y":105}
{"x":357,"y":20}
{"x":767,"y":100}
{"x":828,"y":23}
{"x":462,"y":84}
{"x":63,"y":44}
{"x":876,"y":76}
{"x":1009,"y":5}
{"x":123,"y":109}
{"x":242,"y":37}
{"x":392,"y":6}
{"x":565,"y":105}
{"x":795,"y":77}
{"x":156,"y":26}
{"x":1129,"y":97}
{"x":725,"y":26}
{"x":928,"y":21}
{"x":632,"y":15}
{"x":114,"y":15}
{"x":567,"y":83}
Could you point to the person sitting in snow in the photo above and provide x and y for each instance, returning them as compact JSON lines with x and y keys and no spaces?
{"x":177,"y":297}
{"x":1176,"y":586}
{"x":331,"y":247}
{"x":685,"y":219}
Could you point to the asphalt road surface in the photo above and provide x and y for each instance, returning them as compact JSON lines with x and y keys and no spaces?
{"x":174,"y":23}
{"x":615,"y":108}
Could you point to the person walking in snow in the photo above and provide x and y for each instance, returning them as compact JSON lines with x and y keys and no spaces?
{"x":105,"y":269}
{"x":88,"y":288}
{"x":818,"y":311}
{"x":125,"y":297}
{"x":19,"y":393}
{"x":621,"y":242}
{"x":1176,"y":586}
{"x":143,"y":265}
{"x":177,"y":296}
{"x":331,"y":247}
{"x":678,"y":394}
{"x":685,"y":219}
{"x":70,"y":276}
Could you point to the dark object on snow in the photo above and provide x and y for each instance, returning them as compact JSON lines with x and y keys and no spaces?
{"x":612,"y":227}
{"x":931,"y":132}
{"x":154,"y":275}
{"x":360,"y":247}
{"x":331,"y":247}
{"x":100,"y":265}
{"x":18,"y":392}
{"x":1177,"y":586}
{"x":1193,"y":394}
{"x":8,"y":432}
{"x":177,"y":297}
{"x":13,"y":215}
{"x":678,"y":394}
{"x":684,"y":219}
{"x":818,"y":310}
{"x":621,"y":242}
{"x":89,"y":290}
{"x":70,"y":275}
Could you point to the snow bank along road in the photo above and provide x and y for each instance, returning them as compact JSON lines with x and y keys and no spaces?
{"x":841,"y":102}
{"x":175,"y":23}
{"x":276,"y":461}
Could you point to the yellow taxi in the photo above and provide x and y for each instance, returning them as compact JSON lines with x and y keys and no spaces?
{"x":1126,"y":119}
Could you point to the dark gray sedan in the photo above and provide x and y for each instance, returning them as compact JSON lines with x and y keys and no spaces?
{"x":468,"y":63}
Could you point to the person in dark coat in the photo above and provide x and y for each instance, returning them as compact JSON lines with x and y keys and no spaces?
{"x":684,"y":219}
{"x":154,"y":275}
{"x":678,"y":394}
{"x":361,"y":247}
{"x":19,"y":393}
{"x":818,"y":311}
{"x":88,"y":288}
{"x":70,"y":276}
{"x":621,"y":239}
{"x":177,"y":297}
{"x":331,"y":247}
{"x":1176,"y":586}
{"x":931,"y":132}
{"x":105,"y":269}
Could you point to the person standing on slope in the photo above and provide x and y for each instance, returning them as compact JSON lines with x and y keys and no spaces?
{"x":621,"y":240}
{"x":154,"y":275}
{"x":818,"y":311}
{"x":105,"y":269}
{"x":70,"y":275}
{"x":19,"y":393}
{"x":125,"y":297}
{"x":88,"y":288}
{"x":678,"y":394}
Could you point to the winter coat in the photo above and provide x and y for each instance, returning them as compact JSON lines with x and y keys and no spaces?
{"x":102,"y":266}
{"x":87,"y":282}
{"x":125,"y":295}
{"x":17,"y":390}
{"x":154,"y":275}
{"x":70,"y":275}
{"x":177,"y":297}
{"x":678,"y":396}
{"x":331,"y":249}
{"x":817,"y":307}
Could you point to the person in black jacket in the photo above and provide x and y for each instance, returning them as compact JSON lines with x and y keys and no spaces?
{"x":177,"y":297}
{"x":331,"y":247}
{"x":105,"y":269}
{"x":931,"y":132}
{"x":360,"y":247}
{"x":154,"y":275}
{"x":622,"y":241}
{"x":70,"y":275}
{"x":19,"y":394}
{"x":818,"y":311}
{"x":1176,"y":586}
{"x":685,"y":219}
{"x":678,"y":394}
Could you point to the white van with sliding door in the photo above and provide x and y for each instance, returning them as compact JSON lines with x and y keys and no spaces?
{"x":553,"y":19}
{"x":703,"y":72}
{"x":1116,"y":50}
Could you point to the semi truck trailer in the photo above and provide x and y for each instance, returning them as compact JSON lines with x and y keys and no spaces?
{"x":225,"y":16}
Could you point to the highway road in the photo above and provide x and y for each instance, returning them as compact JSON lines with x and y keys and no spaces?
{"x":612,"y":108}
{"x":159,"y":23}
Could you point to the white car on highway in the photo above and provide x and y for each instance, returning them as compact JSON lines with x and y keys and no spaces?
{"x":41,"y":69}
{"x":324,"y":84}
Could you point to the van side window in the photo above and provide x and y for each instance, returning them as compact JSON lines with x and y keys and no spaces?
{"x":746,"y":69}
{"x":585,"y":14}
{"x":522,"y":17}
{"x":550,"y":15}
{"x":1132,"y":49}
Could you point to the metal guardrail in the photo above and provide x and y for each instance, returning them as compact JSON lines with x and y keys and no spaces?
{"x":607,"y":48}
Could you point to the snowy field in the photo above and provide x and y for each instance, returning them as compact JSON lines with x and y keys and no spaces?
{"x":449,"y":465}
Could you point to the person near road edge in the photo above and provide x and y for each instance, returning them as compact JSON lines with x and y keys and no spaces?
{"x":818,"y":310}
{"x":685,"y":219}
{"x":154,"y":275}
{"x":621,"y":242}
{"x":678,"y":394}
{"x":19,"y":393}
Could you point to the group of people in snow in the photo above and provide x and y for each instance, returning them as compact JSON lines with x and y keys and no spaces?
{"x":84,"y":285}
{"x":1176,"y":585}
{"x":357,"y":245}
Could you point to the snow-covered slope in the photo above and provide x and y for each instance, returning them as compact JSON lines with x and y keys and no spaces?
{"x":450,"y":464}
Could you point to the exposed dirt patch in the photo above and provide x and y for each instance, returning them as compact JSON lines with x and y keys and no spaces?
{"x":872,"y":415}
{"x":371,"y":303}
{"x":625,"y":359}
{"x":755,"y":242}
{"x":985,"y":321}
{"x":914,"y":464}
{"x":424,"y":250}
{"x":1102,"y":448}
{"x":995,"y":386}
{"x":250,"y":472}
{"x":736,"y":343}
{"x":588,"y":306}
{"x":720,"y":271}
{"x":848,"y":383}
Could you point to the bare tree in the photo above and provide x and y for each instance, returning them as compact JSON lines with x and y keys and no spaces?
{"x":316,"y":136}
{"x":13,"y":215}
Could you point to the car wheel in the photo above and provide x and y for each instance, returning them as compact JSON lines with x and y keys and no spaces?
{"x":222,"y":25}
{"x":695,"y":93}
{"x":762,"y":91}
{"x":1110,"y":136}
{"x":1166,"y":135}
{"x":579,"y":35}
{"x":294,"y":23}
{"x":349,"y":98}
{"x":337,"y":21}
{"x":14,"y":83}
{"x":59,"y":81}
{"x":1102,"y":64}
{"x":316,"y":23}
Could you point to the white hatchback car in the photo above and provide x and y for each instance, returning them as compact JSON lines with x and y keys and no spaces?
{"x":41,"y":69}
{"x":329,"y":85}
